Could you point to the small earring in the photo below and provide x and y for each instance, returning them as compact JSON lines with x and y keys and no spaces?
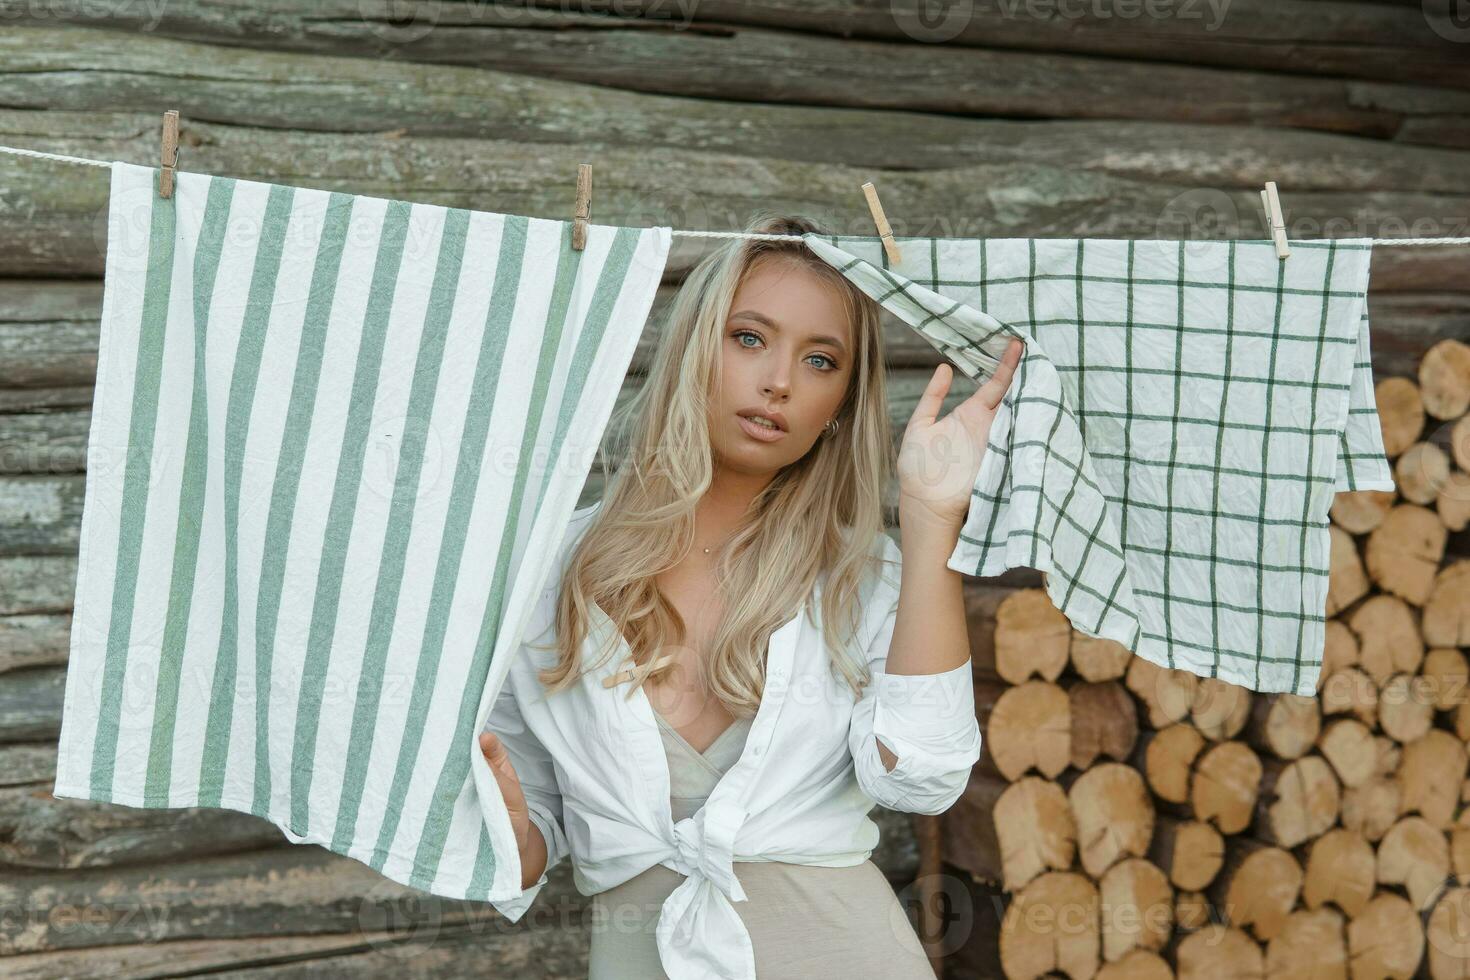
{"x":831,"y":427}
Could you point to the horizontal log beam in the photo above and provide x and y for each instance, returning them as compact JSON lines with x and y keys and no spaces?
{"x":64,"y":231}
{"x":287,"y":90}
{"x":238,"y":895}
{"x":33,"y":640}
{"x":785,"y":51}
{"x":42,"y":832}
{"x":1188,"y":152}
{"x":420,"y":946}
{"x":30,"y":704}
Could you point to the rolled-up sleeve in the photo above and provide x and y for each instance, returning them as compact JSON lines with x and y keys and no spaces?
{"x":537,"y":774}
{"x":927,"y":720}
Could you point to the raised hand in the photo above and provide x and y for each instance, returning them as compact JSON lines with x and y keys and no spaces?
{"x":939,"y":459}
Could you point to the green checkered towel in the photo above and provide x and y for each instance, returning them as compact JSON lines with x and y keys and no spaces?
{"x":1170,"y":445}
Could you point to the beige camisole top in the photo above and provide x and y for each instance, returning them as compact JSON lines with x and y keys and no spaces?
{"x":693,"y":774}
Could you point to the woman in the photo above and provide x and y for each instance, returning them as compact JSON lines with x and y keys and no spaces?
{"x":710,"y":774}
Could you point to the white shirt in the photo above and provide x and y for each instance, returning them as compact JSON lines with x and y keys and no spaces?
{"x":593,"y":767}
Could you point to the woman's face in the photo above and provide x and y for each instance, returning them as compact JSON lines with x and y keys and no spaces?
{"x":788,"y":356}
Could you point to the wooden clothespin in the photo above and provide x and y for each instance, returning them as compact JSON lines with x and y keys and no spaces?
{"x":583,"y":209}
{"x":1272,"y":204}
{"x":170,"y":153}
{"x":627,"y":675}
{"x":881,"y":220}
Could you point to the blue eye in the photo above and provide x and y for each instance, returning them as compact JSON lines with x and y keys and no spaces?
{"x":829,"y":365}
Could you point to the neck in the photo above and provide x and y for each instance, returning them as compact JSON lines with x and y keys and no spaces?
{"x":726,"y":501}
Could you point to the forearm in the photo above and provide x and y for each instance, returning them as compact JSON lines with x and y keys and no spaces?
{"x":930,"y":635}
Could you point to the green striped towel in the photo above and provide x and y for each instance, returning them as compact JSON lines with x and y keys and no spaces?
{"x":1170,"y":445}
{"x":334,"y":443}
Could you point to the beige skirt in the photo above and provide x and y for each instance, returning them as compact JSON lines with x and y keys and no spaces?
{"x":804,"y":922}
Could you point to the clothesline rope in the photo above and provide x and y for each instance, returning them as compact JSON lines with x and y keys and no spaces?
{"x":20,"y":151}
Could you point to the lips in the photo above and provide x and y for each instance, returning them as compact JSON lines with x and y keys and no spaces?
{"x":760,"y":432}
{"x":775,"y":418}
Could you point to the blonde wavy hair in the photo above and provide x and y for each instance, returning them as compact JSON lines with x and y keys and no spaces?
{"x":818,"y":517}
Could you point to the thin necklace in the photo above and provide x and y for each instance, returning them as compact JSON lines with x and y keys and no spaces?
{"x":722,"y":541}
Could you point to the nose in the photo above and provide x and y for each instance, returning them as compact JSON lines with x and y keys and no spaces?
{"x":777,"y":387}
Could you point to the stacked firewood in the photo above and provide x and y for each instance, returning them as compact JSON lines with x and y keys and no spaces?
{"x":1146,"y":822}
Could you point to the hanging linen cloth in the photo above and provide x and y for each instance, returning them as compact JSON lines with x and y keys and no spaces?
{"x":335,"y":443}
{"x":1172,"y":439}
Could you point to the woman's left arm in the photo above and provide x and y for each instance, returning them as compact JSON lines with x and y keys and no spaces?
{"x":938,"y":464}
{"x":930,"y":635}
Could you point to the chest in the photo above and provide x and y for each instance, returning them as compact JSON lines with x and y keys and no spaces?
{"x":684,"y":699}
{"x":611,"y":750}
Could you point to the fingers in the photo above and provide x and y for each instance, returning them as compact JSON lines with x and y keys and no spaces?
{"x":491,"y":746}
{"x":995,"y":387}
{"x":496,"y":756}
{"x":933,"y":397}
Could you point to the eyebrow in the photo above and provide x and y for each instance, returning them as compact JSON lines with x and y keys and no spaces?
{"x":762,"y":318}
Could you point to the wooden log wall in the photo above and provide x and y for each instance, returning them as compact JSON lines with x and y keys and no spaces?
{"x":992,"y":118}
